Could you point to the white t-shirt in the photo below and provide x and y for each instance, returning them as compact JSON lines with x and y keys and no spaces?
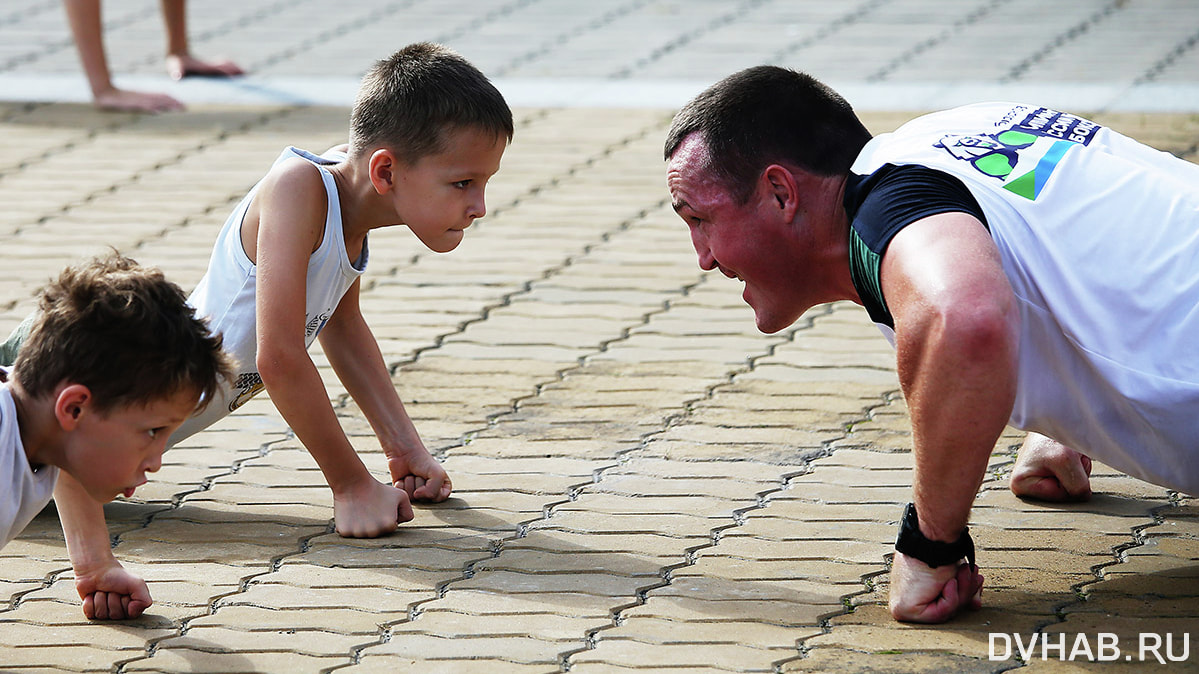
{"x":24,"y":491}
{"x":1099,"y":238}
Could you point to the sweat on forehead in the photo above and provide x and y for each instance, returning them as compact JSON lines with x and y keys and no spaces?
{"x":693,"y":152}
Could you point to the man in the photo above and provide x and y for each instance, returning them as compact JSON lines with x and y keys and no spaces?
{"x":1030,"y":267}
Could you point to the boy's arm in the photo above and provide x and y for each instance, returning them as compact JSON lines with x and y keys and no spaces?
{"x":292,"y":216}
{"x":355,"y":357}
{"x":957,"y":344}
{"x":108,"y":591}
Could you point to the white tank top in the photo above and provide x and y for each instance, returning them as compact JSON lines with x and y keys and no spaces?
{"x":1099,"y":238}
{"x":225,"y":296}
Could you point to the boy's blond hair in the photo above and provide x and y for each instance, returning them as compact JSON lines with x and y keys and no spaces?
{"x":123,"y":331}
{"x":408,"y":102}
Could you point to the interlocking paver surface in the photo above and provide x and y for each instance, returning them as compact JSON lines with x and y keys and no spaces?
{"x":642,"y":481}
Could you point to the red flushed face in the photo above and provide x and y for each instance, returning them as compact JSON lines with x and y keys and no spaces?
{"x":748,"y":241}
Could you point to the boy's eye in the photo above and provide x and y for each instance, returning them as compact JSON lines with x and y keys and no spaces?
{"x":153,"y":432}
{"x":462,"y":184}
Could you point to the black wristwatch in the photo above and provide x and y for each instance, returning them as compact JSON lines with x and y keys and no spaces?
{"x":934,"y":553}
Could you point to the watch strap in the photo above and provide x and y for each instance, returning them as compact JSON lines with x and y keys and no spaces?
{"x":934,"y":553}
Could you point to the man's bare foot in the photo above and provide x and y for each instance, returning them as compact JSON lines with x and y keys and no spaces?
{"x":1049,"y":471}
{"x":186,"y":65}
{"x":123,"y":100}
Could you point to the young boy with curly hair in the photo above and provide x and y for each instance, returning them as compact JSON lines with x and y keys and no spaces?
{"x":114,"y":361}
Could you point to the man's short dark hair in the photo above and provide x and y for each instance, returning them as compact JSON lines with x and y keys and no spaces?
{"x":122,"y":330}
{"x":766,"y":115}
{"x":410,"y":100}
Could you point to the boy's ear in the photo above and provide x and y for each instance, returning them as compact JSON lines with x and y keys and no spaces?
{"x":70,"y":404}
{"x":382,"y":166}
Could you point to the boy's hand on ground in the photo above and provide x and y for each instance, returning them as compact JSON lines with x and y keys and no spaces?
{"x":421,"y":476}
{"x":112,"y":593}
{"x":371,"y":510}
{"x":922,"y":594}
{"x":1049,"y":471}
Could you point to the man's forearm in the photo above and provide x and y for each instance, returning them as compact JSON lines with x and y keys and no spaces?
{"x":958,"y":413}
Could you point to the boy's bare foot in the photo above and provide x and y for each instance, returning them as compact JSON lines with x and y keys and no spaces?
{"x":1049,"y":471}
{"x":124,"y":100}
{"x":186,"y":65}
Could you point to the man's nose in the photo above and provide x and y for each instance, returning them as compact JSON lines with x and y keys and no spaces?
{"x":707,"y":261}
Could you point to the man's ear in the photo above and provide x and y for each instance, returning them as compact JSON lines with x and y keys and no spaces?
{"x":70,"y":404}
{"x":382,"y":166}
{"x":782,"y":189}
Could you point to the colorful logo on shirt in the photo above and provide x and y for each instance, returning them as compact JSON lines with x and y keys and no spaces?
{"x":248,"y":385}
{"x":1025,"y":155}
{"x":314,"y":325}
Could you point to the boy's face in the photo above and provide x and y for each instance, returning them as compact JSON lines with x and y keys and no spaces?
{"x":110,"y":453}
{"x":440,"y":195}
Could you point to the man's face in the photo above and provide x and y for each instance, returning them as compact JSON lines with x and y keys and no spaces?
{"x":752,"y":242}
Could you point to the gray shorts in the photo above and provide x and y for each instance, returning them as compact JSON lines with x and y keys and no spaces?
{"x":10,"y":347}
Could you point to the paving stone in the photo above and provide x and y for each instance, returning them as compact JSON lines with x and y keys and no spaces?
{"x":728,"y":657}
{"x":693,"y":609}
{"x":519,"y":650}
{"x":936,"y":639}
{"x":63,"y":658}
{"x":451,"y":624}
{"x":187,"y":659}
{"x":477,"y":602}
{"x":340,"y":621}
{"x":111,"y":637}
{"x":733,"y":568}
{"x":753,"y":634}
{"x":386,"y":663}
{"x":653,"y":545}
{"x":218,"y":640}
{"x":600,"y":584}
{"x":574,"y":561}
{"x":825,"y":659}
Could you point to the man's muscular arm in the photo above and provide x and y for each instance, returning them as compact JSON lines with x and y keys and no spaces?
{"x":956,"y":327}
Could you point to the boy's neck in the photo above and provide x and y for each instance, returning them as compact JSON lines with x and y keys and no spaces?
{"x":36,"y":424}
{"x":354,"y":194}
